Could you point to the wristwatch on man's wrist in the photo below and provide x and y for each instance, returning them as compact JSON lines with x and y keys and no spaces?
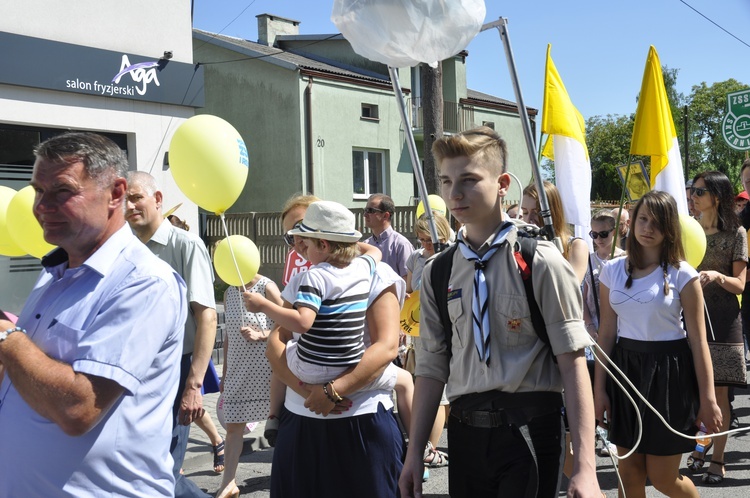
{"x":4,"y":335}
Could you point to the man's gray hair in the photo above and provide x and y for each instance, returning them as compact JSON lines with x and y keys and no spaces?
{"x":102,"y":159}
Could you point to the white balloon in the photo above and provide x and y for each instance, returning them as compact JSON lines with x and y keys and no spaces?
{"x":401,"y":33}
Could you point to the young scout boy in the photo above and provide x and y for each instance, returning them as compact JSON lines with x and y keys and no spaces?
{"x":503,"y":381}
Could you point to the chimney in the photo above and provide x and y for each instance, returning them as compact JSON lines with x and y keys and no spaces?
{"x":270,"y":26}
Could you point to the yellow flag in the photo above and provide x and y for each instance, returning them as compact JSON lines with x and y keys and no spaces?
{"x":654,"y":134}
{"x":559,"y":115}
{"x":567,"y":147}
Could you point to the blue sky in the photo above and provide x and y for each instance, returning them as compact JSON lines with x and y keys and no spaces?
{"x":599,"y":46}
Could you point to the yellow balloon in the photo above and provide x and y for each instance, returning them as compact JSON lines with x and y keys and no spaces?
{"x":436,"y":204}
{"x":209,"y":162}
{"x":7,"y":246}
{"x":409,"y":319}
{"x":22,"y":224}
{"x":246,"y":254}
{"x":693,"y":240}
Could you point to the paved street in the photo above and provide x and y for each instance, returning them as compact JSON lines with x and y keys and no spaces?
{"x":254,"y":471}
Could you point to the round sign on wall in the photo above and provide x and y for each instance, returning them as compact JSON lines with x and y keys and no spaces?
{"x":736,"y":125}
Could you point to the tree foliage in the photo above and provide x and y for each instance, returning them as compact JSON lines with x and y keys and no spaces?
{"x":608,"y":137}
{"x":608,"y":140}
{"x":708,"y":149}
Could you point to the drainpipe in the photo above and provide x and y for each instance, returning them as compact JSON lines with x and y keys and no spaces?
{"x":309,"y":136}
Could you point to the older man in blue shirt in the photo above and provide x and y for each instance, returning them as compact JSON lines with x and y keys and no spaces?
{"x":395,"y":247}
{"x":90,"y":371}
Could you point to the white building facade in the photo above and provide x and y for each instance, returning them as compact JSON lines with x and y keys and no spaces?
{"x":61,"y":70}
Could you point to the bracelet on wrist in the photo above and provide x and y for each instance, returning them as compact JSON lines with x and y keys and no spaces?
{"x":336,"y":395}
{"x":328,"y":394}
{"x":331,"y":394}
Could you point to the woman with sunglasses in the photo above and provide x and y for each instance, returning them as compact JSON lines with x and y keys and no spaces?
{"x":414,"y":266}
{"x":603,"y":235}
{"x":291,"y":216}
{"x":575,"y":249}
{"x":308,"y":460}
{"x":722,"y":276}
{"x":643,"y":299}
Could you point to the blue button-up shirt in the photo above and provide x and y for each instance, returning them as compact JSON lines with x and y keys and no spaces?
{"x":119,"y":316}
{"x":395,"y":247}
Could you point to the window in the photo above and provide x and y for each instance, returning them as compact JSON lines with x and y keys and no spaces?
{"x":370,"y":111}
{"x":489,"y":124}
{"x":368,"y":168}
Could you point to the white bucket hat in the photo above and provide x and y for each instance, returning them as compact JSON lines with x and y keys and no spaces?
{"x":329,"y":221}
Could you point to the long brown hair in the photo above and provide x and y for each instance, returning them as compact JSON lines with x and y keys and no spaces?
{"x":556,"y":211}
{"x":663,"y":209}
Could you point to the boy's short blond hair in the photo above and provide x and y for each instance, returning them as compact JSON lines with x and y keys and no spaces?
{"x":482,"y":144}
{"x":342,"y":253}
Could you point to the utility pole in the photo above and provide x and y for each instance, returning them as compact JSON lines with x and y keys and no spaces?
{"x":686,"y":122}
{"x":432,"y":119}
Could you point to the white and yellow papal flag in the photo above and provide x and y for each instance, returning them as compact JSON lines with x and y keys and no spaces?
{"x":654,"y":134}
{"x":566,"y":145}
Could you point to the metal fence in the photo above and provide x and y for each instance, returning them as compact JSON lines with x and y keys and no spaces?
{"x":265,"y":230}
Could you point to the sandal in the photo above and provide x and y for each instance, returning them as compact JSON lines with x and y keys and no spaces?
{"x":695,"y":464}
{"x":433,"y":457}
{"x":272,"y":430}
{"x":219,"y":459}
{"x":712,"y":478}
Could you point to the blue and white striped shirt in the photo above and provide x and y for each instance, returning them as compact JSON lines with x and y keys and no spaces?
{"x":339,"y":296}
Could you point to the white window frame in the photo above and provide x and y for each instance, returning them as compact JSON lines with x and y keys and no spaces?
{"x":372,"y":110}
{"x":366,"y":172}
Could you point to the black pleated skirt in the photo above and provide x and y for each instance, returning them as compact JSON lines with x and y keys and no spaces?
{"x":663,"y":372}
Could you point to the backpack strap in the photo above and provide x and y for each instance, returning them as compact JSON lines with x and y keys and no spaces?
{"x":593,"y":290}
{"x":440,"y":278}
{"x":525,"y":260}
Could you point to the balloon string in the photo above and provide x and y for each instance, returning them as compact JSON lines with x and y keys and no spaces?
{"x":231,"y":250}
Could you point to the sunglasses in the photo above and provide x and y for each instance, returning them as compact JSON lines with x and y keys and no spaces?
{"x":369,"y":210}
{"x":288,"y":238}
{"x":699,"y":191}
{"x":603,"y":234}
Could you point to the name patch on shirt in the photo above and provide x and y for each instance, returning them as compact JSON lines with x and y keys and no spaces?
{"x":454,"y":294}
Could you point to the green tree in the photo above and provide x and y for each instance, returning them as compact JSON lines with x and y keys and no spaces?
{"x":608,"y":140}
{"x":676,"y":100}
{"x":708,"y":150}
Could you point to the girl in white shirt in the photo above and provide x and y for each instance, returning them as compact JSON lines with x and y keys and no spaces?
{"x":642,"y":295}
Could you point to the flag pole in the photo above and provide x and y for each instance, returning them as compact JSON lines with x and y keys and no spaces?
{"x":622,"y":203}
{"x":548,"y":230}
{"x":411,"y":146}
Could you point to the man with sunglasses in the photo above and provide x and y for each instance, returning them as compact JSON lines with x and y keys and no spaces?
{"x":395,"y":247}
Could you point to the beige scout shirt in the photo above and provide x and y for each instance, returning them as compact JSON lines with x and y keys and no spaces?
{"x":519,"y":360}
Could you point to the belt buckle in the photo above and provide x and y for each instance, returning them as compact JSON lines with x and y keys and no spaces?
{"x":481,"y":419}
